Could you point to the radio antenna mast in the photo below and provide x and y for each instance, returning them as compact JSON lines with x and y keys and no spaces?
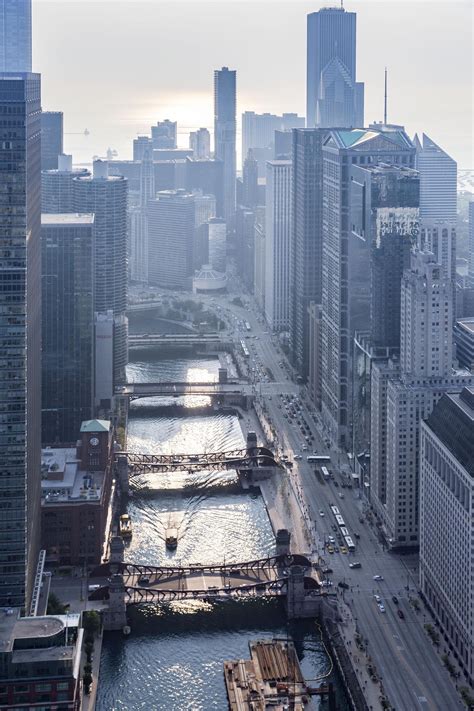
{"x":385,"y":100}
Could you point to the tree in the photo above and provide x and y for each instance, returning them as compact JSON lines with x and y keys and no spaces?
{"x":91,"y":621}
{"x":87,"y":680}
{"x":55,"y":606}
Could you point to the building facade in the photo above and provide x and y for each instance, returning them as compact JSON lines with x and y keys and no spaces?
{"x":278,"y":226}
{"x":51,"y":139}
{"x":165,"y":134}
{"x":333,"y":97}
{"x":464,"y":340}
{"x":258,"y":135}
{"x":57,"y":186}
{"x":171,"y":239}
{"x":447,"y":521}
{"x":15,"y":36}
{"x":345,"y":296}
{"x":217,"y":244}
{"x":20,"y":333}
{"x":225,"y":134}
{"x":259,"y":255}
{"x":200,"y":143}
{"x":139,"y":222}
{"x":106,"y":197}
{"x":306,"y":240}
{"x":67,"y":364}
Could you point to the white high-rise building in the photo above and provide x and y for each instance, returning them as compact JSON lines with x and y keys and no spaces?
{"x":200,"y":143}
{"x":277,"y":244}
{"x":471,"y":239}
{"x":447,"y":521}
{"x":138,"y":220}
{"x":438,"y":181}
{"x":15,"y":35}
{"x":426,"y":341}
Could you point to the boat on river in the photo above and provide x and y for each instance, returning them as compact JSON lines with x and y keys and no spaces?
{"x":171,"y":537}
{"x":125,"y":526}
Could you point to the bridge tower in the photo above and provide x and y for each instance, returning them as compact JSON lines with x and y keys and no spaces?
{"x":115,"y":616}
{"x":122,"y":474}
{"x":299,"y":601}
{"x":117,"y":550}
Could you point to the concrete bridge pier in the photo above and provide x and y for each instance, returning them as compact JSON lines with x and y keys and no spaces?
{"x":122,"y":474}
{"x":301,"y":602}
{"x":115,"y":616}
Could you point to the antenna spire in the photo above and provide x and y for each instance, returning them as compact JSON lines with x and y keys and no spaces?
{"x":385,"y":100}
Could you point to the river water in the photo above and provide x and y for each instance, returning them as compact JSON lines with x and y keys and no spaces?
{"x":173,"y":660}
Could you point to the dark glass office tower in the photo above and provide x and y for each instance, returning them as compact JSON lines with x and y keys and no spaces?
{"x":15,"y":35}
{"x":20,"y":334}
{"x":224,"y":134}
{"x":51,"y":139}
{"x":333,"y":97}
{"x":306,"y":240}
{"x":67,"y":250}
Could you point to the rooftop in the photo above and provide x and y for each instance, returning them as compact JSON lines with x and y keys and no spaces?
{"x":62,"y":481}
{"x":356,"y":137}
{"x":467,"y":324}
{"x":13,"y":627}
{"x":68,"y":218}
{"x":452,"y":421}
{"x":95,"y":426}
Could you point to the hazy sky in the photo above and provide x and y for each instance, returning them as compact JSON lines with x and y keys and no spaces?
{"x":116,"y":67}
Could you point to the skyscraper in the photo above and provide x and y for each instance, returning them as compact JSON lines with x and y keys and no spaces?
{"x":258,"y":134}
{"x":138,"y":220}
{"x":170,"y":239}
{"x":333,"y":97}
{"x":446,"y":522}
{"x":20,"y":333}
{"x":306,"y":240}
{"x":471,"y":240}
{"x":106,"y":197}
{"x":67,"y":247}
{"x":57,"y":186}
{"x":15,"y":35}
{"x":224,"y":134}
{"x":345,"y":298}
{"x":278,"y":227}
{"x":200,"y":142}
{"x":164,"y":134}
{"x":250,"y":181}
{"x":51,"y":139}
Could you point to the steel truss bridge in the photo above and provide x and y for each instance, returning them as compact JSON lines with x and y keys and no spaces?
{"x":139,"y":390}
{"x":145,"y":583}
{"x":212,"y":461}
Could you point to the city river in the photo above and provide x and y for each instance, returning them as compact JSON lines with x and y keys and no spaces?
{"x":172,"y":660}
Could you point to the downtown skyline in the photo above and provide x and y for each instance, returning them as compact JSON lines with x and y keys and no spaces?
{"x":126,"y":42}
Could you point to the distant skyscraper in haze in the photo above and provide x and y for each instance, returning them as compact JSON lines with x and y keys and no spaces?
{"x":140,"y":144}
{"x":138,"y":220}
{"x":20,"y":333}
{"x":224,"y":134}
{"x":250,"y":181}
{"x":333,"y":97}
{"x":106,"y":197}
{"x":471,"y":240}
{"x":67,"y":267}
{"x":164,"y":134}
{"x":258,"y":134}
{"x":51,"y":139}
{"x":278,"y":227}
{"x":200,"y":142}
{"x":15,"y":35}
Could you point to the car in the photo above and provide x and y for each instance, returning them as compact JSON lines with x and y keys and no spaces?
{"x":343,"y":549}
{"x":327,"y":571}
{"x":298,"y":457}
{"x":336,"y":549}
{"x":381,"y":607}
{"x":335,"y":483}
{"x":340,"y":494}
{"x":357,"y":564}
{"x":143,"y":580}
{"x":395,"y":599}
{"x":356,"y":535}
{"x":400,"y":614}
{"x":330,"y":549}
{"x":327,"y":583}
{"x":321,"y":513}
{"x":343,"y":584}
{"x":378,"y":578}
{"x":377,"y":598}
{"x":331,"y":539}
{"x":334,"y":527}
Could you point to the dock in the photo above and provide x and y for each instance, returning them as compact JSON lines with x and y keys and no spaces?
{"x":272,"y":676}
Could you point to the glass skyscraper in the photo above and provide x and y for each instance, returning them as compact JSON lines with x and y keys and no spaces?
{"x":20,"y":334}
{"x":67,"y":250}
{"x":15,"y":35}
{"x":333,"y":97}
{"x":224,"y":133}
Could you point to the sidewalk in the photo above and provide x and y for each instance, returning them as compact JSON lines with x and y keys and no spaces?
{"x":88,"y":700}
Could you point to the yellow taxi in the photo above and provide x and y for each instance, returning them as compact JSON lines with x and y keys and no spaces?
{"x":343,"y":549}
{"x":330,"y":549}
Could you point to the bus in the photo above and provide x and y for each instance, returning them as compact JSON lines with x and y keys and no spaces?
{"x":325,"y":472}
{"x":344,"y":532}
{"x":245,"y":350}
{"x":349,"y":543}
{"x":340,"y":521}
{"x":248,"y":327}
{"x":319,"y":458}
{"x":335,"y":510}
